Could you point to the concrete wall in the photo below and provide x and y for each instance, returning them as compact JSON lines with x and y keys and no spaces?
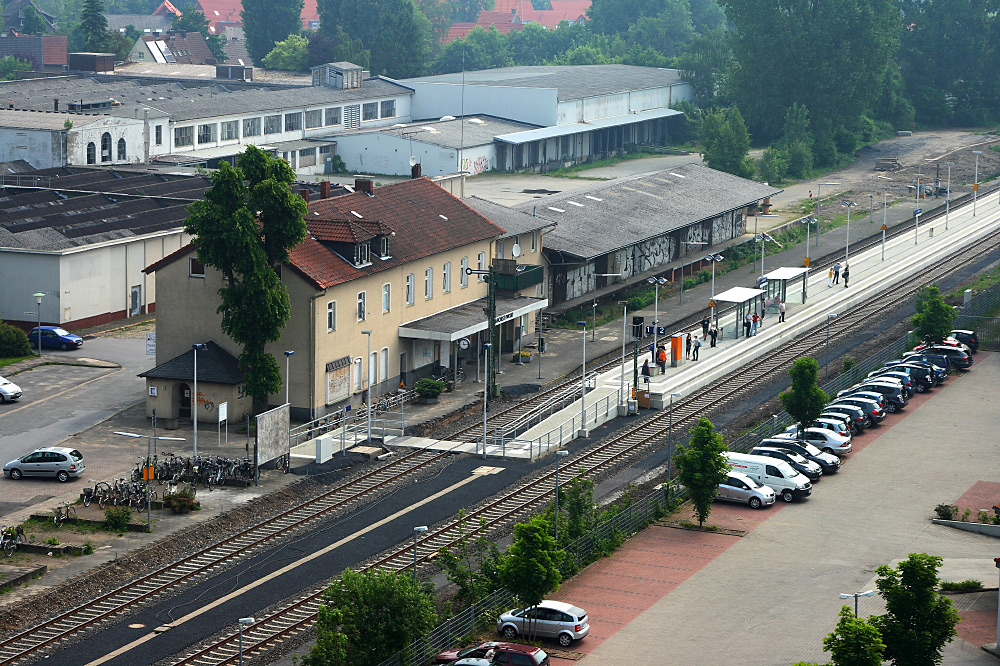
{"x":119,"y":128}
{"x":622,"y":104}
{"x":42,"y":148}
{"x":478,"y":159}
{"x":22,"y":274}
{"x":378,"y":153}
{"x":537,"y":106}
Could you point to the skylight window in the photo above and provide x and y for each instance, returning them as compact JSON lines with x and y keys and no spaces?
{"x":592,"y":198}
{"x":356,"y":214}
{"x":558,"y":210}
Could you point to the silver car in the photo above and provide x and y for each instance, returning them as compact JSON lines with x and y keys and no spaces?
{"x":9,"y":391}
{"x":551,"y":619}
{"x":741,"y":488}
{"x":51,"y":461}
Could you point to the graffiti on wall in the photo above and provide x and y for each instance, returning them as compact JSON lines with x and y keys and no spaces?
{"x":652,"y":253}
{"x":476,"y":166}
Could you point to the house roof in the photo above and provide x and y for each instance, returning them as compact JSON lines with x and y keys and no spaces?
{"x":470,"y":131}
{"x":624,"y":212}
{"x":572,"y":82}
{"x":231,"y":11}
{"x":215,"y":366}
{"x":45,"y":120}
{"x":162,"y":22}
{"x":13,"y":14}
{"x":513,"y":222}
{"x":184,"y":48}
{"x":236,"y":51}
{"x":426,"y":220}
{"x":559,"y":10}
{"x":166,"y":7}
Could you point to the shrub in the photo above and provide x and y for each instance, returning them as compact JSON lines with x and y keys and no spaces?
{"x":945,"y":511}
{"x":800,"y":159}
{"x":772,"y":166}
{"x":849,"y":363}
{"x":825,"y":151}
{"x":845,"y":140}
{"x":52,"y":541}
{"x":337,"y":164}
{"x":966,"y":514}
{"x":13,"y":341}
{"x":181,"y":502}
{"x":429,"y":388}
{"x":117,"y":518}
{"x":961,"y":586}
{"x":690,"y":283}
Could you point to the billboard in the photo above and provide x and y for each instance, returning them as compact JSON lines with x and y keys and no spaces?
{"x":272,"y":435}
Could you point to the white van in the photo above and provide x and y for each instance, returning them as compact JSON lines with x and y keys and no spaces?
{"x":777,"y":474}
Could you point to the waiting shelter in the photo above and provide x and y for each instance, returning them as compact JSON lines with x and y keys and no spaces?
{"x":747,"y":301}
{"x":778,"y":281}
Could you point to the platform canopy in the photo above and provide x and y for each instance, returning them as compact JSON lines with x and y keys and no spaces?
{"x":739,"y":295}
{"x":458,"y":322}
{"x":778,"y":280}
{"x":786,"y":273}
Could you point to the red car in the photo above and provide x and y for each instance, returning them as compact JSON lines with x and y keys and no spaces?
{"x":506,"y":654}
{"x":950,"y":341}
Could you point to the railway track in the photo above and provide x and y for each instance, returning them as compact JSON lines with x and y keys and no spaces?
{"x":297,"y":615}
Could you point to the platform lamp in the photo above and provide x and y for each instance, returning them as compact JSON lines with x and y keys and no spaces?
{"x":416,"y":530}
{"x":656,"y":282}
{"x":975,"y":188}
{"x":947,"y":199}
{"x":847,"y":245}
{"x":621,"y":387}
{"x":368,"y":409}
{"x":819,"y":201}
{"x":488,"y":346}
{"x":714,"y":259}
{"x":288,"y":355}
{"x":885,"y":211}
{"x":244,"y":622}
{"x":559,"y":456}
{"x":593,"y":333}
{"x":38,"y":302}
{"x":194,"y":398}
{"x":583,"y":385}
{"x":867,"y":593}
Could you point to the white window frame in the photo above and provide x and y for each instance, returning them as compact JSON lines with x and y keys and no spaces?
{"x":411,"y":289}
{"x":500,"y":248}
{"x":446,"y":278}
{"x":372,"y":373}
{"x":312,"y":120}
{"x":233,"y":125}
{"x":275,"y":119}
{"x":534,"y":241}
{"x":358,"y":377}
{"x":463,"y":278}
{"x":331,"y":316}
{"x":428,"y":284}
{"x":383,"y":363}
{"x":481,"y":264}
{"x":362,"y":306}
{"x":191,"y":268}
{"x":252,"y":127}
{"x":387,"y":108}
{"x":386,"y":297}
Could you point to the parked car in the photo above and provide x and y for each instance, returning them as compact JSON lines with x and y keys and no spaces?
{"x":739,"y":487}
{"x":921,"y":378}
{"x":941,"y":363}
{"x":950,"y":341}
{"x":824,"y":440}
{"x":776,"y":474}
{"x":528,"y":655}
{"x":957,"y":357}
{"x":845,"y":419}
{"x":872,"y":409}
{"x":892,"y":393}
{"x":967,"y":338}
{"x":936,"y":373}
{"x":829,"y":462}
{"x":550,"y":619}
{"x":800,"y":464}
{"x":859,"y":419}
{"x":9,"y":391}
{"x":53,"y":461}
{"x":837,"y":426}
{"x":54,"y":337}
{"x":908,"y":383}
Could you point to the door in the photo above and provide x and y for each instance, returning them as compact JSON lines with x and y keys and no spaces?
{"x":31,"y":464}
{"x":52,"y":463}
{"x":739,"y":492}
{"x":184,"y":402}
{"x":136,"y":301}
{"x":402,"y":368}
{"x":50,"y":339}
{"x":725,"y":489}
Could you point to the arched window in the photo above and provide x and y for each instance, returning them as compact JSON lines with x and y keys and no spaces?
{"x":91,"y":153}
{"x":106,"y":147}
{"x":121,"y":150}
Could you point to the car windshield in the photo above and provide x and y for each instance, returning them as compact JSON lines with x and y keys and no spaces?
{"x":540,"y":656}
{"x":4,"y":382}
{"x":75,"y":455}
{"x":467,"y":651}
{"x":60,"y":331}
{"x":813,"y":451}
{"x":796,"y":457}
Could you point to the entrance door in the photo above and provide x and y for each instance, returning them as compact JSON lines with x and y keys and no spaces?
{"x":402,"y":368}
{"x":184,"y":402}
{"x":136,"y":301}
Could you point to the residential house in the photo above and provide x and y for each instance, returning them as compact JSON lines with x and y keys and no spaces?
{"x":183,"y":48}
{"x":47,"y":53}
{"x":13,"y":15}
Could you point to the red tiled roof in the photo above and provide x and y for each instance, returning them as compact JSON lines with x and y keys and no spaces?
{"x":338,"y":231}
{"x":54,"y":49}
{"x":166,"y":7}
{"x":426,"y":220}
{"x":229,"y":11}
{"x":562,"y":10}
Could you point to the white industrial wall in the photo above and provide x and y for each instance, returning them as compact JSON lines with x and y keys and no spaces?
{"x":22,"y":274}
{"x":42,"y":148}
{"x":378,"y":153}
{"x":119,"y":128}
{"x":537,"y":106}
{"x":622,"y":104}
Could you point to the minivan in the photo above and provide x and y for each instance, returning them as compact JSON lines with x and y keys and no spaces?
{"x":52,"y":461}
{"x":871,"y":408}
{"x":739,"y":487}
{"x":967,"y":338}
{"x":552,"y":619}
{"x":829,"y":462}
{"x":776,"y":474}
{"x":799,"y":463}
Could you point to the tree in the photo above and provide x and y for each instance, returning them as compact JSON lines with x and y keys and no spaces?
{"x":934,"y":317}
{"x":336,"y":46}
{"x":796,"y":125}
{"x":701,"y":467}
{"x":267,"y":21}
{"x":919,"y":621}
{"x":804,"y":401}
{"x":468,"y":10}
{"x":481,"y":49}
{"x":33,"y":24}
{"x":706,"y":65}
{"x":193,"y":21}
{"x":439,"y":13}
{"x":800,"y":159}
{"x":13,"y":341}
{"x":669,"y":32}
{"x":726,"y":142}
{"x":93,"y":26}
{"x":395,"y":32}
{"x":374,"y":614}
{"x":855,"y":641}
{"x":244,"y":227}
{"x":578,"y":498}
{"x":472,"y":563}
{"x":9,"y":65}
{"x":772,"y":166}
{"x":531,"y":567}
{"x":291,"y":55}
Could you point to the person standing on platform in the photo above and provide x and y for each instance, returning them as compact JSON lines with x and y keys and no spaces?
{"x":645,"y":370}
{"x":714,"y":333}
{"x":847,"y":273}
{"x":746,"y":325}
{"x":704,"y":326}
{"x":836,"y":273}
{"x":697,"y":348}
{"x":755,"y":322}
{"x":781,"y":307}
{"x":829,"y":277}
{"x":687,"y":346}
{"x":661,"y":360}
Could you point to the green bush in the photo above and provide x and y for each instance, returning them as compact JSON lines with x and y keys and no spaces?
{"x":429,"y":388}
{"x":181,"y":502}
{"x":968,"y":585}
{"x":849,"y":363}
{"x":13,"y":341}
{"x":337,"y":164}
{"x":800,"y":159}
{"x":845,"y":140}
{"x":117,"y":518}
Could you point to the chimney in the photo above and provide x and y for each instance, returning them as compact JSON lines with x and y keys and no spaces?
{"x":304,"y":193}
{"x":324,"y":189}
{"x":415,"y":171}
{"x":366,"y":185}
{"x":55,"y":103}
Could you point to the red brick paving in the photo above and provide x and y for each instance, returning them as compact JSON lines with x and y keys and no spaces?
{"x":981,"y":496}
{"x":978,"y":627}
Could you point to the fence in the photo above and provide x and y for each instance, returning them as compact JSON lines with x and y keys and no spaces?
{"x":599,"y":412}
{"x":483,"y":614}
{"x":324,"y":424}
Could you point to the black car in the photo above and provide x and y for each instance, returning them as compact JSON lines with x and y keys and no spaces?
{"x":921,"y":376}
{"x":967,"y":338}
{"x":859,"y":419}
{"x":872,"y":408}
{"x":956,"y":356}
{"x":893,"y":394}
{"x":937,"y":363}
{"x":829,"y":462}
{"x":908,"y":382}
{"x":800,"y":464}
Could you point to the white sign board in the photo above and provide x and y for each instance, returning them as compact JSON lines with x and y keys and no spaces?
{"x":151,"y":344}
{"x":223,"y":412}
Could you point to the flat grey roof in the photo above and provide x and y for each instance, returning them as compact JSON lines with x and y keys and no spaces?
{"x":479,"y":130}
{"x":44,"y":120}
{"x":555,"y":131}
{"x":468,"y":318}
{"x":513,"y":222}
{"x":571,"y":81}
{"x":624,"y":212}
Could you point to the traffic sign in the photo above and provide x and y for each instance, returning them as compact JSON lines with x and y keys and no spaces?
{"x":975,"y":187}
{"x":883,"y":227}
{"x":918,"y":211}
{"x":711,"y":303}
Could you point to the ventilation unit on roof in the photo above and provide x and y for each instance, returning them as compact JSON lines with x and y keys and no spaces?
{"x":339,"y":75}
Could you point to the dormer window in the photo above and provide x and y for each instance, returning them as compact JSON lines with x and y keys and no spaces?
{"x":383,"y":247}
{"x":361,"y":254}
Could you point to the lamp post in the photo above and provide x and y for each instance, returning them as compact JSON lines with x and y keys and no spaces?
{"x":714,"y":259}
{"x":194,"y":398}
{"x":975,"y":188}
{"x":885,"y":211}
{"x":416,"y":530}
{"x":867,"y":593}
{"x":559,"y":455}
{"x":369,"y":406}
{"x":38,"y":302}
{"x":149,"y":461}
{"x":829,"y":318}
{"x":488,"y":346}
{"x":670,"y":441}
{"x":288,"y":377}
{"x":244,"y":622}
{"x":847,"y":246}
{"x":621,"y":387}
{"x":583,"y":385}
{"x":947,"y":199}
{"x":593,"y":332}
{"x":656,"y":282}
{"x":688,"y":243}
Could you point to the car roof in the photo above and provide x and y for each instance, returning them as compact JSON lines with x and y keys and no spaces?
{"x":56,"y":449}
{"x":963,"y":331}
{"x":562,"y":606}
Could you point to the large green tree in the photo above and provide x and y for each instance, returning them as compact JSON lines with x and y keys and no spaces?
{"x":34,"y":23}
{"x":481,"y":49}
{"x":395,"y":32}
{"x":93,"y":27}
{"x":919,"y":621}
{"x":369,"y":617}
{"x":805,"y":400}
{"x":193,"y":21}
{"x":830,"y":54}
{"x":934,"y":317}
{"x":726,"y":142}
{"x":702,"y":466}
{"x":245,"y":227}
{"x":291,"y":55}
{"x":266,"y":22}
{"x":472,"y":563}
{"x":468,"y":10}
{"x":706,"y":65}
{"x":855,"y":641}
{"x":336,"y":46}
{"x":530,"y":569}
{"x":9,"y":65}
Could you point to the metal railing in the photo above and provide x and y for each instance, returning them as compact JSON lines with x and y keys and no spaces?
{"x":324,"y":424}
{"x":542,"y":411}
{"x":593,"y":416}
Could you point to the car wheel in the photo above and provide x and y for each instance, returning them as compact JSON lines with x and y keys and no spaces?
{"x":921,"y":388}
{"x":63,"y":476}
{"x":63,"y":346}
{"x":509,"y":632}
{"x":755,"y":503}
{"x":827,"y":449}
{"x":2,"y":399}
{"x":890,"y":407}
{"x":16,"y":474}
{"x":565,"y":640}
{"x":787,"y":495}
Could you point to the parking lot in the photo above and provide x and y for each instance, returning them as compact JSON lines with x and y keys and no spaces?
{"x":672,"y":596}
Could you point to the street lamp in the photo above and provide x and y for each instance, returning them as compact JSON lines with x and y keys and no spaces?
{"x":194,"y":398}
{"x":714,"y":259}
{"x":244,"y":622}
{"x":885,"y":211}
{"x":688,"y":243}
{"x":147,"y":475}
{"x":947,"y":199}
{"x":288,"y":377}
{"x":416,"y":531}
{"x":829,"y":318}
{"x":621,"y":387}
{"x":670,"y":440}
{"x":975,"y":188}
{"x":488,"y":346}
{"x":369,"y":409}
{"x":847,"y":247}
{"x":867,"y":593}
{"x":38,"y":302}
{"x":656,"y":282}
{"x":583,"y":385}
{"x":559,"y":455}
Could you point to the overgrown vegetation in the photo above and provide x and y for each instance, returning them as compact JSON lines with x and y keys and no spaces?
{"x":13,"y":342}
{"x":117,"y":518}
{"x":968,"y":585}
{"x":180,"y":502}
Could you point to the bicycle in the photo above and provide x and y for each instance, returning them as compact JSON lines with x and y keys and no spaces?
{"x":10,"y":537}
{"x":63,"y":513}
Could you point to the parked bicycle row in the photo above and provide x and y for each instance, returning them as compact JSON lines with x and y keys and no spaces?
{"x":209,"y":471}
{"x":10,"y":538}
